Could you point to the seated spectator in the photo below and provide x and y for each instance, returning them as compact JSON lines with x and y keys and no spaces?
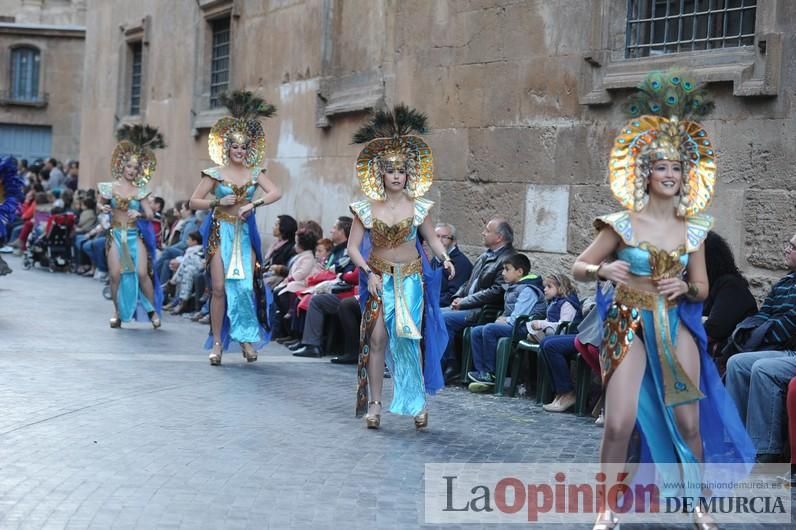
{"x":281,"y":250}
{"x":187,"y":224}
{"x":558,"y":350}
{"x":523,"y":296}
{"x":446,"y":233}
{"x":729,"y":300}
{"x":193,"y":261}
{"x":41,"y":214}
{"x":302,"y":267}
{"x":485,"y":286}
{"x":790,"y":479}
{"x":338,"y":257}
{"x":563,"y":305}
{"x":94,"y":247}
{"x":322,"y":251}
{"x":324,"y":305}
{"x":85,"y":223}
{"x":756,"y":380}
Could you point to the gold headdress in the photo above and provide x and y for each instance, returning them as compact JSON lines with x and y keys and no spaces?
{"x":390,"y":141}
{"x":660,"y":130}
{"x":243,"y":127}
{"x":136,"y":142}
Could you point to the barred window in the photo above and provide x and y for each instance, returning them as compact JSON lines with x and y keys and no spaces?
{"x":135,"y":78}
{"x":219,"y":66}
{"x":658,"y":27}
{"x":25,"y":74}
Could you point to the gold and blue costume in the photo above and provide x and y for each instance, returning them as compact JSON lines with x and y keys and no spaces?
{"x":238,"y":243}
{"x":131,"y":302}
{"x":661,"y":129}
{"x":409,"y":290}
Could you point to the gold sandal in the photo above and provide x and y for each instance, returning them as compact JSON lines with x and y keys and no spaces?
{"x":115,"y":322}
{"x":373,"y":420}
{"x":155,"y":319}
{"x":248,"y":352}
{"x":421,"y":420}
{"x":215,"y":358}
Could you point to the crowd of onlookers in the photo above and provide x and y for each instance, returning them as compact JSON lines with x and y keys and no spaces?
{"x":500,"y":295}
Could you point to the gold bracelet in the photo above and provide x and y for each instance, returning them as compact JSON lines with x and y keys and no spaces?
{"x":592,"y":271}
{"x":213,"y":203}
{"x":693,"y":290}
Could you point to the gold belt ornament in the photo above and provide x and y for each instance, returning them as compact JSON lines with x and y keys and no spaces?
{"x":125,"y":258}
{"x":677,"y":386}
{"x":405,"y":326}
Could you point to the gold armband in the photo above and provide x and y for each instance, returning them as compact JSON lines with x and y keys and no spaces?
{"x":259,"y":202}
{"x":693,"y":290}
{"x":592,"y":271}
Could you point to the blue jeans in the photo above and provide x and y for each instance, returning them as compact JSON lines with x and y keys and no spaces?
{"x":162,"y":263}
{"x":483,"y":344}
{"x":455,"y":322}
{"x":557,"y":350}
{"x":95,"y":248}
{"x":78,"y":244}
{"x":757,"y":382}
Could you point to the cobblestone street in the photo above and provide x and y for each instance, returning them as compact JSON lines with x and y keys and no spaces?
{"x":132,"y":428}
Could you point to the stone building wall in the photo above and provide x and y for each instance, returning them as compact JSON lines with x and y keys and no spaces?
{"x":55,"y":28}
{"x":521,"y":97}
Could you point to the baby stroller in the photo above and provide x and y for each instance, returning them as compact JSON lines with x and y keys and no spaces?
{"x":53,"y":249}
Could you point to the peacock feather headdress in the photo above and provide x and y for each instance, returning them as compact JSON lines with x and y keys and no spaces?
{"x":242,"y":127}
{"x":663,"y":126}
{"x":392,"y":139}
{"x":136,"y":142}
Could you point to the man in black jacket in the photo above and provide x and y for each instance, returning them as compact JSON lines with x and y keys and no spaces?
{"x":446,"y":233}
{"x":483,"y":287}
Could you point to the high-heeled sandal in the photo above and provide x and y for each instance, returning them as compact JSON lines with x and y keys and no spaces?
{"x":373,"y":420}
{"x":606,"y":520}
{"x":215,"y":358}
{"x":115,"y":322}
{"x":421,"y":420}
{"x":248,"y":352}
{"x":154,"y":319}
{"x":703,"y":521}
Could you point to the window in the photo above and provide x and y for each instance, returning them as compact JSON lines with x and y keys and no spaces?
{"x":25,"y":74}
{"x":658,"y":27}
{"x":219,"y":65}
{"x":135,"y":78}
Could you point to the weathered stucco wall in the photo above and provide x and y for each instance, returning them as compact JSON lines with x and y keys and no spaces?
{"x":499,"y":80}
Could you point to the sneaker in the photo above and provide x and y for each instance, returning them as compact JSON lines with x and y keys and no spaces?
{"x":486,"y":378}
{"x":5,"y":249}
{"x":480,"y":388}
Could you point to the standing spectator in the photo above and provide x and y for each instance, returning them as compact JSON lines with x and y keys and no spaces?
{"x":485,"y":286}
{"x":757,"y":379}
{"x":446,"y":233}
{"x":57,"y":177}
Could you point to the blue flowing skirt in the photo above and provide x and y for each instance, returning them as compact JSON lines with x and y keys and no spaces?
{"x":724,"y":438}
{"x":241,"y":322}
{"x":130,"y":301}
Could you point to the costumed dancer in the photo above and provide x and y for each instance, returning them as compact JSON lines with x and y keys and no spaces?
{"x":11,"y":195}
{"x":399,"y":290}
{"x":130,"y":245}
{"x":657,"y":375}
{"x":238,"y":305}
